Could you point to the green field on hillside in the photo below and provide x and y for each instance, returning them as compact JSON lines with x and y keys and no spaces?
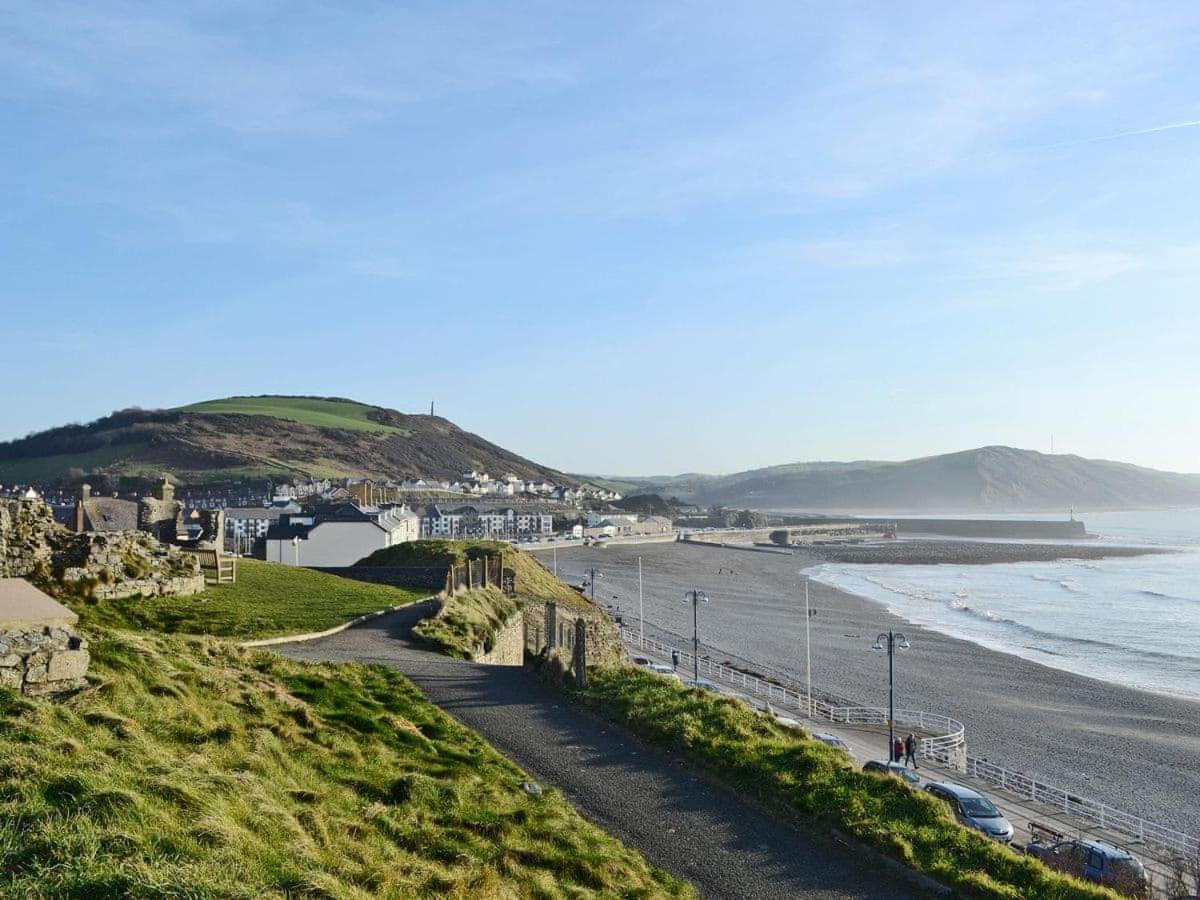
{"x":192,"y":769}
{"x":306,"y":410}
{"x":268,"y":600}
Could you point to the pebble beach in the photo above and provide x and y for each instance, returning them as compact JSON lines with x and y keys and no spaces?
{"x":1133,"y":749}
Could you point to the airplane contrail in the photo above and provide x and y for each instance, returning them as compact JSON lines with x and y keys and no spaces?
{"x":1171,"y":126}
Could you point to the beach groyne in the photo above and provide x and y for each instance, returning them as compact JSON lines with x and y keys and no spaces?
{"x":1016,"y":529}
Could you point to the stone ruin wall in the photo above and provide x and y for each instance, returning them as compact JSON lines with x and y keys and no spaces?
{"x":103,"y":566}
{"x":43,"y":662}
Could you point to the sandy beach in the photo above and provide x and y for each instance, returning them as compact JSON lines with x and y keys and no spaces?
{"x":1135,"y":750}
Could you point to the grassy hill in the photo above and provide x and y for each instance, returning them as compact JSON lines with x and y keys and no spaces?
{"x":191,"y":768}
{"x":257,"y":438}
{"x":328,"y":413}
{"x":988,"y":478}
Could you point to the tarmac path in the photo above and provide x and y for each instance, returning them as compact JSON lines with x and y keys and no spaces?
{"x":680,"y":821}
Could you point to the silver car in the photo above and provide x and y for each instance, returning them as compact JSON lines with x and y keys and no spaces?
{"x":832,"y":740}
{"x":974,"y":810}
{"x":883,"y":767}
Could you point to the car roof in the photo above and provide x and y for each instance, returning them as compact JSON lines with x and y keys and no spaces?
{"x":1107,"y":849}
{"x":824,"y":736}
{"x":957,"y":790}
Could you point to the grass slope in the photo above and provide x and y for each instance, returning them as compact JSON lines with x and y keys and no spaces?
{"x":193,"y":769}
{"x":780,"y":766}
{"x":268,"y":600}
{"x":533,"y":580}
{"x":327,"y":413}
{"x":468,"y":622}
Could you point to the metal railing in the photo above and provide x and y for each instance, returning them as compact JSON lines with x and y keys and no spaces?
{"x":946,"y":743}
{"x":1143,"y":831}
{"x":947,"y":746}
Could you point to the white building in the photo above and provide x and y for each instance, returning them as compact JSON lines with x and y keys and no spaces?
{"x":246,"y":524}
{"x":341,"y":535}
{"x":438,"y":524}
{"x":595,"y":518}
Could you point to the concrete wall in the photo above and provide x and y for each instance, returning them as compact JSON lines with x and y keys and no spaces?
{"x":509,"y":649}
{"x":428,"y":577}
{"x":735,"y":536}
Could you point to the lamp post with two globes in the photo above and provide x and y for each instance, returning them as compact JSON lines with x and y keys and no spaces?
{"x":696,"y":598}
{"x":891,"y":641}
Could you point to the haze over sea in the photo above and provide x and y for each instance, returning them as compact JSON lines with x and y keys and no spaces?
{"x":1130,"y":621}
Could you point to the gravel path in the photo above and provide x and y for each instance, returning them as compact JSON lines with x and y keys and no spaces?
{"x":691,"y":828}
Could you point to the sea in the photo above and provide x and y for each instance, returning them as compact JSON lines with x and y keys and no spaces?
{"x":1133,"y":621}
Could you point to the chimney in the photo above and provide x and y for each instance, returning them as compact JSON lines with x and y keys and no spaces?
{"x":166,"y":490}
{"x":85,"y":492}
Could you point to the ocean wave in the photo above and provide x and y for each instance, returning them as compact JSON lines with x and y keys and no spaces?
{"x":1055,"y":643}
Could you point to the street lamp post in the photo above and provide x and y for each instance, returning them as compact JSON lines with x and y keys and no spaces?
{"x":641,"y":608}
{"x":696,"y":598}
{"x":809,"y":612}
{"x":894,"y":640}
{"x":591,"y":582}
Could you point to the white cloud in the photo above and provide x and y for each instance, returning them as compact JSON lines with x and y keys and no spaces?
{"x":361,"y":69}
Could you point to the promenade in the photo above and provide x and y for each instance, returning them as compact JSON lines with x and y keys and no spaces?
{"x":943,"y":759}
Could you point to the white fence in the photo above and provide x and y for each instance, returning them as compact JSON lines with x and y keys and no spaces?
{"x":947,"y":743}
{"x":1175,"y":843}
{"x":947,"y":746}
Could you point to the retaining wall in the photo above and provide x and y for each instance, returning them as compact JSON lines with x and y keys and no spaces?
{"x":509,"y":648}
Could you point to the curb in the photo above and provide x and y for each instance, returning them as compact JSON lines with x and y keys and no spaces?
{"x":337,"y":629}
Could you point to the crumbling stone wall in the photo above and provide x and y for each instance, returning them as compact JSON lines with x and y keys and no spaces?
{"x":26,"y":532}
{"x":50,"y":661}
{"x":126,"y":564}
{"x":104,"y":566}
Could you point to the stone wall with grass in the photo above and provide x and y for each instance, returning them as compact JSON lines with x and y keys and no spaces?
{"x":96,"y":566}
{"x":508,"y":646}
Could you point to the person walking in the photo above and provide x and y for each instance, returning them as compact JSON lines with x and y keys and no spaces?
{"x":910,"y":751}
{"x":897,"y":750}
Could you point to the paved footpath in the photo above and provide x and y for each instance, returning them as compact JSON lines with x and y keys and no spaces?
{"x":682,"y":823}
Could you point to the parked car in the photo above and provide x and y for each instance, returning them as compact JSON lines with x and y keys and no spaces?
{"x":704,"y":684}
{"x":786,"y":721}
{"x":884,"y":767}
{"x":1097,"y":861}
{"x":973,"y":809}
{"x":832,"y":740}
{"x":662,"y":669}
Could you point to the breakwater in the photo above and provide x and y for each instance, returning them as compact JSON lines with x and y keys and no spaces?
{"x":1017,"y":529}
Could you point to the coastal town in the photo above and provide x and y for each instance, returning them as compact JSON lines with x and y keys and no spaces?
{"x":609,"y":451}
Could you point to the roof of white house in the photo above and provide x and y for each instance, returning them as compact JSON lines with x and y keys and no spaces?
{"x":22,"y":605}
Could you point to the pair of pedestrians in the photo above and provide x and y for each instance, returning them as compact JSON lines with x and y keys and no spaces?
{"x":905,"y":751}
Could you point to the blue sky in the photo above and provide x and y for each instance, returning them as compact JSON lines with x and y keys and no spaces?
{"x":617,"y":237}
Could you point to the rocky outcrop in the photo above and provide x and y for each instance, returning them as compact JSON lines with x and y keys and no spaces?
{"x":101,"y":566}
{"x":41,"y":662}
